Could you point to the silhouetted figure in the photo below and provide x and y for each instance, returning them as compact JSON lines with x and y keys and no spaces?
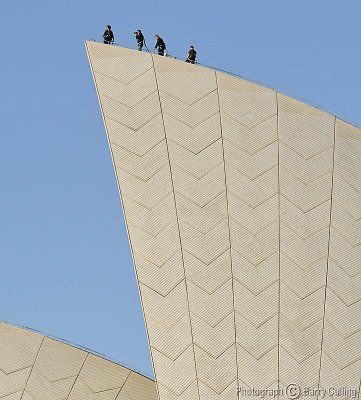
{"x":191,"y":56}
{"x":108,"y":35}
{"x":140,"y":39}
{"x":160,"y":45}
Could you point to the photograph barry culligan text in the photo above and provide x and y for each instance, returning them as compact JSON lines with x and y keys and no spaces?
{"x":294,"y":391}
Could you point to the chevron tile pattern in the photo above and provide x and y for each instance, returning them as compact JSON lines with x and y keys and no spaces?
{"x":198,"y":175}
{"x":341,"y":356}
{"x":34,"y":367}
{"x":306,"y":138}
{"x":135,"y":125}
{"x":249,"y":122}
{"x":243,"y":208}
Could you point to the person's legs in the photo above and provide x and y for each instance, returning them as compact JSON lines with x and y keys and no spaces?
{"x":140,"y":46}
{"x":160,"y":51}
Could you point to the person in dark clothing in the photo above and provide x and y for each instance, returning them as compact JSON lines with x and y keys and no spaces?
{"x":160,"y":45}
{"x":108,"y":35}
{"x":191,"y":56}
{"x":139,"y":38}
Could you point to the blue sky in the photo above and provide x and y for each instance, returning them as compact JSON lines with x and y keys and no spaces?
{"x":65,"y":261}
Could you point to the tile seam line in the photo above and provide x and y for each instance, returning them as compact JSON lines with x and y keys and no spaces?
{"x":343,"y":236}
{"x":143,"y":99}
{"x":195,"y":126}
{"x":247,"y":152}
{"x":328,"y":255}
{"x":14,"y":372}
{"x":124,"y":383}
{"x":100,"y":391}
{"x":213,"y":389}
{"x":133,"y":175}
{"x":339,"y":266}
{"x":183,"y":391}
{"x":132,"y":152}
{"x":186,"y":103}
{"x":10,"y":394}
{"x":179,"y":232}
{"x":343,"y":302}
{"x":343,"y":367}
{"x":279,"y":249}
{"x":173,"y":359}
{"x":32,"y":368}
{"x":121,"y":82}
{"x":340,"y":335}
{"x":197,"y":153}
{"x":77,"y":376}
{"x":124,"y":215}
{"x":229,"y":229}
{"x":136,"y":130}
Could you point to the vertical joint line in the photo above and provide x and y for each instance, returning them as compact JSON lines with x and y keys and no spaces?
{"x":328,"y":252}
{"x":121,"y":388}
{"x":179,"y":233}
{"x":229,"y":230}
{"x":279,"y":249}
{"x":77,"y":376}
{"x":31,"y":370}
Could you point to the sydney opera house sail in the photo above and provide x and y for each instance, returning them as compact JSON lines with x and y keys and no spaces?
{"x":35,"y":367}
{"x":243,"y":208}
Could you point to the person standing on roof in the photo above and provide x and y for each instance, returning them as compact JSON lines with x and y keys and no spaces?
{"x":108,"y":35}
{"x":160,"y":45}
{"x":191,"y":56}
{"x":139,"y":38}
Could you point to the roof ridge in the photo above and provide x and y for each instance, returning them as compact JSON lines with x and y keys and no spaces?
{"x":264,"y":85}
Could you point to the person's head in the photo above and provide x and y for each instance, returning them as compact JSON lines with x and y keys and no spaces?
{"x":109,"y":27}
{"x":191,"y":47}
{"x":156,"y":37}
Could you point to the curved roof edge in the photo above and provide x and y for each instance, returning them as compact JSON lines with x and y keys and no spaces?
{"x":264,"y":85}
{"x":34,"y":366}
{"x":76,"y":346}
